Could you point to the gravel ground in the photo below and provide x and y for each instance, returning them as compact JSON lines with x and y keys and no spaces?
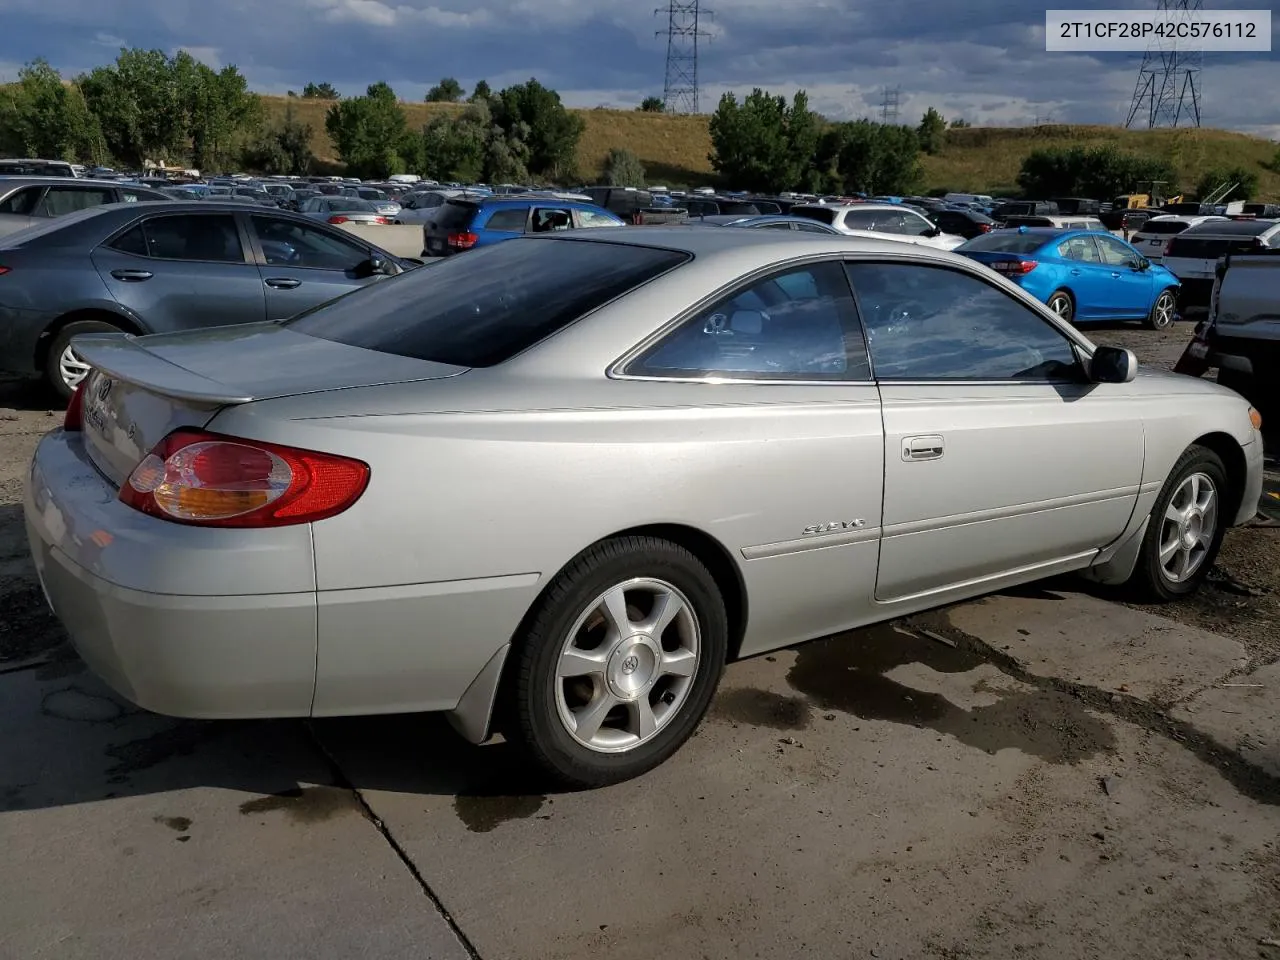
{"x":1241,"y":601}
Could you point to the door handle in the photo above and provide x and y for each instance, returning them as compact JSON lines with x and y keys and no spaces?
{"x":1115,"y":276}
{"x":132,"y":275}
{"x":1075,"y":272}
{"x":922,"y":448}
{"x":282,"y":283}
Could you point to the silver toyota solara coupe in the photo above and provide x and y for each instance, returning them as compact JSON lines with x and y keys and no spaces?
{"x":551,"y":486}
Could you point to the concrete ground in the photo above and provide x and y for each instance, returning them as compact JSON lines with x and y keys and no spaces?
{"x":1044,"y":773}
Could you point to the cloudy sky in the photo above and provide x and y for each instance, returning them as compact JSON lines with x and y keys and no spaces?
{"x":983,"y":60}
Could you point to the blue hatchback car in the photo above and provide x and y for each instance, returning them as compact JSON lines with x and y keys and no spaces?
{"x":1081,"y":275}
{"x":463,"y":223}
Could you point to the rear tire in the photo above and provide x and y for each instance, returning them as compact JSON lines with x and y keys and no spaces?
{"x":1060,"y":302}
{"x":619,"y":662}
{"x":1163,"y":312}
{"x":63,"y":369}
{"x":1186,"y":528}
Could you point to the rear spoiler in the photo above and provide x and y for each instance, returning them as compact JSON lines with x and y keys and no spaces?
{"x":121,"y":357}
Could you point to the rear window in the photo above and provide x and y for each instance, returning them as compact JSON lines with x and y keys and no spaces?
{"x":455,"y":214}
{"x":1028,"y":222}
{"x":1209,"y":248}
{"x":351,"y":205}
{"x":1164,"y":227}
{"x":486,"y":307}
{"x":822,"y":214}
{"x":739,"y":207}
{"x":1002,"y":242}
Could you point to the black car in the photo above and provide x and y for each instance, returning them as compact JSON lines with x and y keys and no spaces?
{"x":962,"y":223}
{"x":1025,"y":208}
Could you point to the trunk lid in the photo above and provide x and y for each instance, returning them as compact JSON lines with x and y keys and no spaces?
{"x":141,"y":389}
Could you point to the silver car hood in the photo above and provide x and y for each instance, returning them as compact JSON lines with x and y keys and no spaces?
{"x":246,"y":362}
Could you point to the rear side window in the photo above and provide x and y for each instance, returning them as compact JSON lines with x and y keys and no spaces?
{"x":1164,"y":227}
{"x":192,"y":236}
{"x":455,"y":214}
{"x":821,"y":214}
{"x":1210,"y":248}
{"x":486,"y":307}
{"x":59,"y":201}
{"x":21,"y":202}
{"x":511,"y":219}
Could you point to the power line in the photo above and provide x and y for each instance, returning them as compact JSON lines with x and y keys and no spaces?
{"x":1167,"y":91}
{"x":680,"y":89}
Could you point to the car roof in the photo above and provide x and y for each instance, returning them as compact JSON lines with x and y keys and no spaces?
{"x":771,"y":246}
{"x":1231,"y":228}
{"x":857,"y":206}
{"x":27,"y":180}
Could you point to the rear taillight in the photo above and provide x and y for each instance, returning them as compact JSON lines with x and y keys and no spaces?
{"x":1168,"y":245}
{"x":210,"y":480}
{"x":74,"y":418}
{"x":984,"y":227}
{"x":380,"y":220}
{"x":4,"y":270}
{"x":463,"y":241}
{"x":337,"y":219}
{"x":1015,"y":268}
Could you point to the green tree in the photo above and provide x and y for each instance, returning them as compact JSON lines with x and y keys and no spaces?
{"x":552,"y":131}
{"x":867,"y":157}
{"x":218,"y":108}
{"x":651,"y":105}
{"x":370,"y":133}
{"x":1089,"y":172}
{"x":455,"y":148}
{"x":282,"y":149}
{"x":481,"y":92}
{"x":42,"y":116}
{"x":959,"y":123}
{"x":320,"y":91}
{"x":764,"y":143}
{"x":447,"y":90}
{"x":622,"y":168}
{"x":932,"y":132}
{"x":1246,"y":183}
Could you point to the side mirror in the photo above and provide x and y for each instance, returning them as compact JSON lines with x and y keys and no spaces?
{"x":1113,"y":365}
{"x":933,"y":232}
{"x":749,"y":322}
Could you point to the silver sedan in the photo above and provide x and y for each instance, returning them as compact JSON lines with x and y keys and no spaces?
{"x":552,"y":486}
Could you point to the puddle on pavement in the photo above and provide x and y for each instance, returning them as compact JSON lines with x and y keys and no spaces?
{"x":482,"y":812}
{"x":847,"y":673}
{"x":762,"y":708}
{"x":306,"y":805}
{"x":180,"y":824}
{"x":179,"y":740}
{"x":73,"y":703}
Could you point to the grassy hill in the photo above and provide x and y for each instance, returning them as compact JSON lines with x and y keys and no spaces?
{"x":674,"y":149}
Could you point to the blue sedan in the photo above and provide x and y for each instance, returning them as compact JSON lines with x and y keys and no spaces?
{"x":1081,"y":275}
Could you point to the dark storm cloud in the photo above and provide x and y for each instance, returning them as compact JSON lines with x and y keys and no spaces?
{"x":981,"y":59}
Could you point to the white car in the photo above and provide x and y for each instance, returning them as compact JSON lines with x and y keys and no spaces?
{"x":880,"y":221}
{"x":1154,"y":235}
{"x":1192,"y":255}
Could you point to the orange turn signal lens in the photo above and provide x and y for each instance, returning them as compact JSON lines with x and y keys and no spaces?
{"x":1255,"y":418}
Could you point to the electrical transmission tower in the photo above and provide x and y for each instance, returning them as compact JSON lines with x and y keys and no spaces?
{"x":680,"y":92}
{"x":1168,"y":89}
{"x":889,"y":98}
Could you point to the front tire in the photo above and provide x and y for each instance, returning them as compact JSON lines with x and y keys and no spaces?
{"x":1186,"y":528}
{"x":63,"y":368}
{"x":619,"y":662}
{"x":1060,"y":302}
{"x":1163,"y":312}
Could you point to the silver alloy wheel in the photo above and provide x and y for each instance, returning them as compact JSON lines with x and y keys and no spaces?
{"x":71,"y":368}
{"x":1162,"y":313}
{"x":628,"y":665}
{"x":1188,"y":527}
{"x":1061,"y":305}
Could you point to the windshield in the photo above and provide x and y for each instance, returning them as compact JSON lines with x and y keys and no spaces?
{"x":821,"y":214}
{"x":1004,"y":242}
{"x":483,"y":308}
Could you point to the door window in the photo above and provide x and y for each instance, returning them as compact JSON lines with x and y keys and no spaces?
{"x":287,"y":243}
{"x":800,"y":324}
{"x":593,"y":218}
{"x":548,"y":219}
{"x":511,"y":220}
{"x":184,"y":236}
{"x":59,"y":201}
{"x":931,"y":323}
{"x":22,"y":202}
{"x":915,"y":225}
{"x":1079,"y":248}
{"x":1115,"y":253}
